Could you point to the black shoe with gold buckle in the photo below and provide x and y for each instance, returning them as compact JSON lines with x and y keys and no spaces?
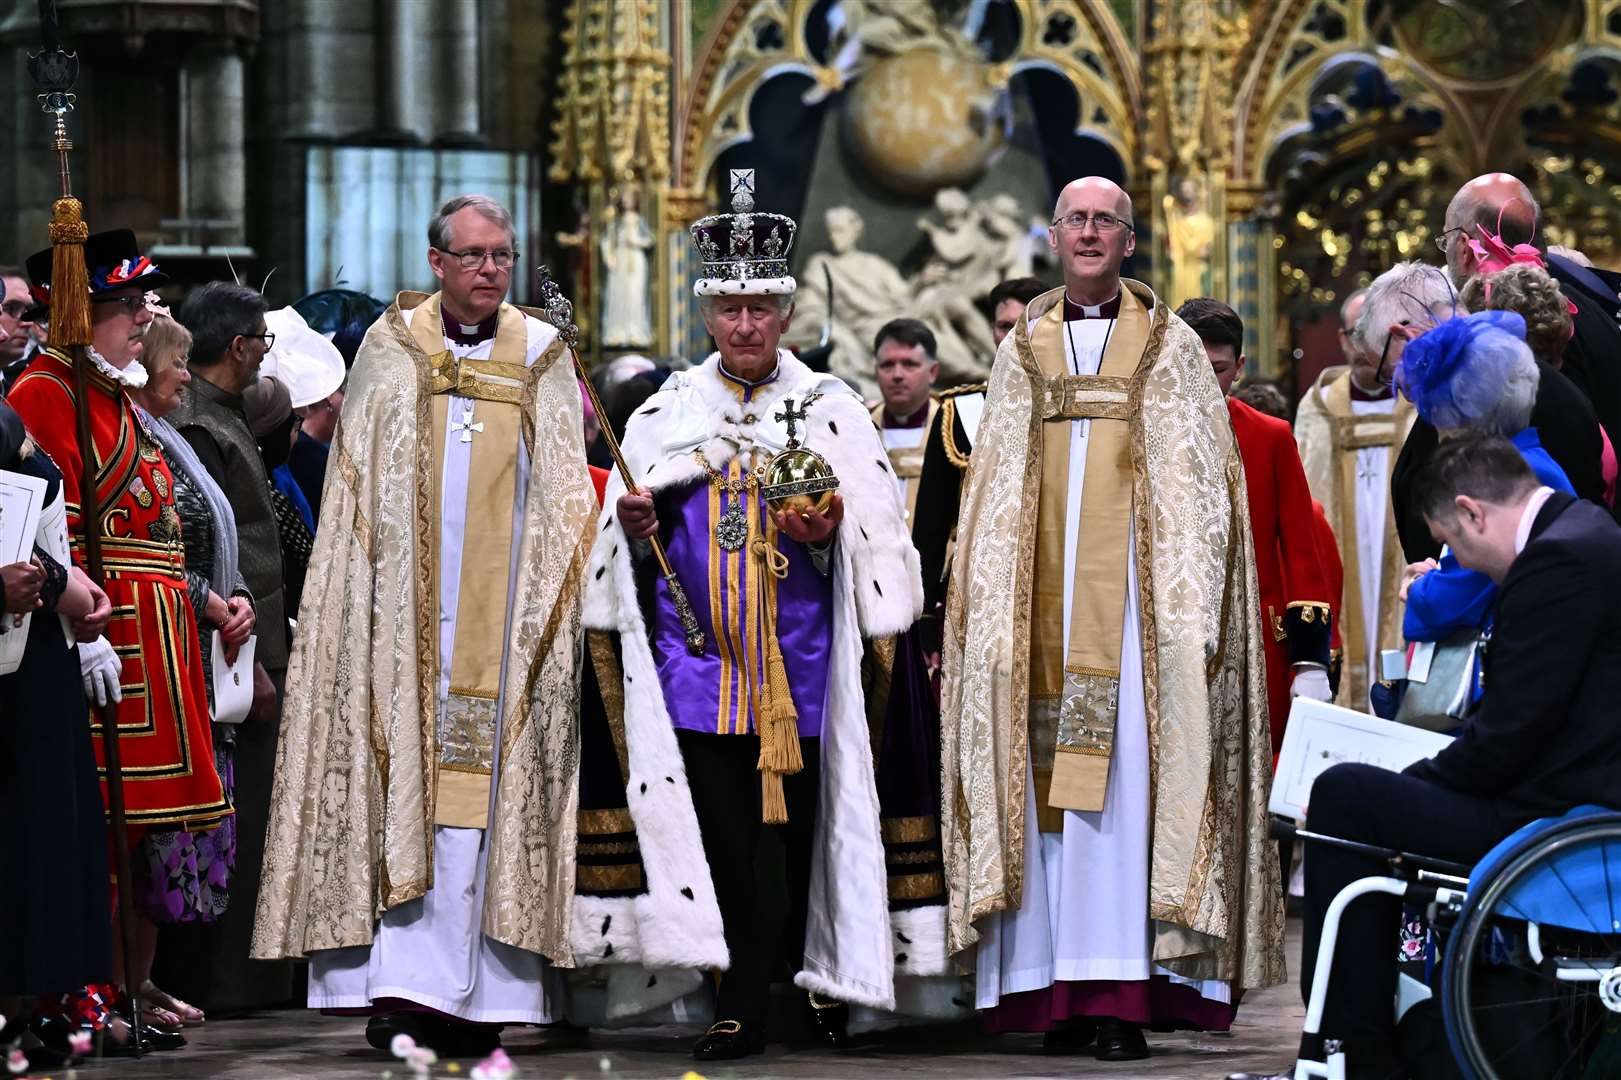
{"x":831,"y":1020}
{"x":728,"y":1039}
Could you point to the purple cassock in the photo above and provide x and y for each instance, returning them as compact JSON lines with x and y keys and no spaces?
{"x":719,"y":691}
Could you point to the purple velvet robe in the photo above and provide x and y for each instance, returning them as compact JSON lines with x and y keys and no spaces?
{"x":719,"y":691}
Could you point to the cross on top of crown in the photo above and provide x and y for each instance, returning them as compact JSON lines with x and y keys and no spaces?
{"x":790,"y":415}
{"x":742,"y":181}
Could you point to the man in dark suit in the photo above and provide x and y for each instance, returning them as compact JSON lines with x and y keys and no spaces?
{"x":1542,"y":740}
{"x":1503,"y":206}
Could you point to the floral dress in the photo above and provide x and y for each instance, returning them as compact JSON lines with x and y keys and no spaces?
{"x":187,"y":875}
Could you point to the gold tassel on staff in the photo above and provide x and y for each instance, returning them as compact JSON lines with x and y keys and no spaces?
{"x":54,"y":72}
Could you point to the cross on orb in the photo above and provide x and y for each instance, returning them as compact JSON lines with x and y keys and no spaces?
{"x":789,"y":415}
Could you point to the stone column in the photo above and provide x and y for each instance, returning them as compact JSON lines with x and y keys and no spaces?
{"x":216,"y":172}
{"x":407,"y":79}
{"x":457,"y":62}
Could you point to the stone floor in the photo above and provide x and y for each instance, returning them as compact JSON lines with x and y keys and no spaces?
{"x":292,"y":1044}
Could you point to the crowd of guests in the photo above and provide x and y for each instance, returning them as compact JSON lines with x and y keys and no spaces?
{"x":1472,"y":418}
{"x":209,"y":428}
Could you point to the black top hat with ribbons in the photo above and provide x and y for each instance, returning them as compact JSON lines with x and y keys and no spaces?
{"x":113,"y":260}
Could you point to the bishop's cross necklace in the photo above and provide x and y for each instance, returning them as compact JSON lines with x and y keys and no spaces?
{"x":466,"y":426}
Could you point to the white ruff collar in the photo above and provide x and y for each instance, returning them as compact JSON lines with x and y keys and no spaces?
{"x":132,"y":377}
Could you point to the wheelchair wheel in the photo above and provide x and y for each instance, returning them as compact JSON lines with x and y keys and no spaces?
{"x":1531,"y":984}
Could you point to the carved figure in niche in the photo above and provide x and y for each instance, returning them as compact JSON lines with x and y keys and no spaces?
{"x":956,"y":242}
{"x":627,"y":316}
{"x":868,"y":291}
{"x":887,"y":27}
{"x":1013,"y":250}
{"x":1190,"y":233}
{"x":965,"y":343}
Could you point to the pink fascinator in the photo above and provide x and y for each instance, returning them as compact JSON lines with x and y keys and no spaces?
{"x":1493,"y":253}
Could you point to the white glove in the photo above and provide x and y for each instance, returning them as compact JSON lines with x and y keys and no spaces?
{"x":102,"y":671}
{"x":1310,"y":682}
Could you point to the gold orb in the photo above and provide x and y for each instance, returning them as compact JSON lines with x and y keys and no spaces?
{"x":799,"y":481}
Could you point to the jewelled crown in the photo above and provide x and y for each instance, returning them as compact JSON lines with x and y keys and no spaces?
{"x":743,"y":252}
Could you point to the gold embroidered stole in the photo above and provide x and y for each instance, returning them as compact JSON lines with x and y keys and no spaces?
{"x":467,"y":725}
{"x":1352,"y":431}
{"x":1075,"y":692}
{"x":907,"y":461}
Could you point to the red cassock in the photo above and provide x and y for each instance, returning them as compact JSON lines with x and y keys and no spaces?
{"x":1294,"y":595}
{"x":165,"y":741}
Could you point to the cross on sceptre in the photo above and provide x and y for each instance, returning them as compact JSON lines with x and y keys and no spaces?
{"x":789,"y":415}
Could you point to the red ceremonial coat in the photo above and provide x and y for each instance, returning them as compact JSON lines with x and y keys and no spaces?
{"x":165,"y":741}
{"x":1288,"y":567}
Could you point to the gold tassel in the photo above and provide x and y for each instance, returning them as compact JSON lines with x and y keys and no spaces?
{"x":776,"y":719}
{"x":70,"y":281}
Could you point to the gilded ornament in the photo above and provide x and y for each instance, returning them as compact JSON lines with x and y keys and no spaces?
{"x":798,"y":480}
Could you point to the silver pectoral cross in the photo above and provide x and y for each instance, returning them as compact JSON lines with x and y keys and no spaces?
{"x":466,"y":426}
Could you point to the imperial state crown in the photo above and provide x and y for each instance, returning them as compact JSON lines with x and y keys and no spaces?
{"x":743,"y":252}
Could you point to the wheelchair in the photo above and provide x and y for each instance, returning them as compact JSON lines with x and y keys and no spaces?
{"x":1529,"y":971}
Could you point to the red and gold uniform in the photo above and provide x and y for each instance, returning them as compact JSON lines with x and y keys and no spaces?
{"x":1288,"y":565}
{"x":165,"y":741}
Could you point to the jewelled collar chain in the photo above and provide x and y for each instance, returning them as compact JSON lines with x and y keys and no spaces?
{"x":748,"y":481}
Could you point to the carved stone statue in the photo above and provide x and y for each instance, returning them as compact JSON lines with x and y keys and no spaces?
{"x":627,"y":317}
{"x":867,"y":292}
{"x":1190,"y":232}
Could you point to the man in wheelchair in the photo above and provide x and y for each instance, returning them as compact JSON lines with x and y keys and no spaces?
{"x":1544,"y":738}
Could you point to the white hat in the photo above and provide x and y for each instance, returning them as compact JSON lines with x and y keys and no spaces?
{"x":303,"y":360}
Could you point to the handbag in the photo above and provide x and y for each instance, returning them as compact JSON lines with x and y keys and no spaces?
{"x":233,"y":683}
{"x":1441,"y":682}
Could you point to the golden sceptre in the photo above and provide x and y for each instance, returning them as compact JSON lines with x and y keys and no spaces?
{"x":559,"y":312}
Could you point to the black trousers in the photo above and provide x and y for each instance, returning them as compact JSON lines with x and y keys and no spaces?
{"x":725,"y":783}
{"x":1377,"y":806}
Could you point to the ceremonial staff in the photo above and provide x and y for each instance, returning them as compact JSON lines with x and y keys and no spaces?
{"x":559,"y":312}
{"x":55,"y":72}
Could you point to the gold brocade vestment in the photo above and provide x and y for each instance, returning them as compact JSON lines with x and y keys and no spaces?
{"x":1215,"y":893}
{"x":358,"y":768}
{"x":1330,"y":433}
{"x":490,"y":427}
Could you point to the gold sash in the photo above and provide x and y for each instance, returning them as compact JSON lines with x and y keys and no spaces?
{"x":1075,"y":693}
{"x":907,"y":461}
{"x":466,"y":728}
{"x":1353,"y":431}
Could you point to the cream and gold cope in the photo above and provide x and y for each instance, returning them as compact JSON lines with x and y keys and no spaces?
{"x":1215,"y":892}
{"x":358,"y":771}
{"x":1329,"y":433}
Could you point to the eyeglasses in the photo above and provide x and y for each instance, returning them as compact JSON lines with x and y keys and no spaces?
{"x":14,"y":309}
{"x":1443,"y":239}
{"x":1103,"y":223}
{"x":1384,"y":353}
{"x":268,"y":337}
{"x":130,"y":304}
{"x":503,"y":258}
